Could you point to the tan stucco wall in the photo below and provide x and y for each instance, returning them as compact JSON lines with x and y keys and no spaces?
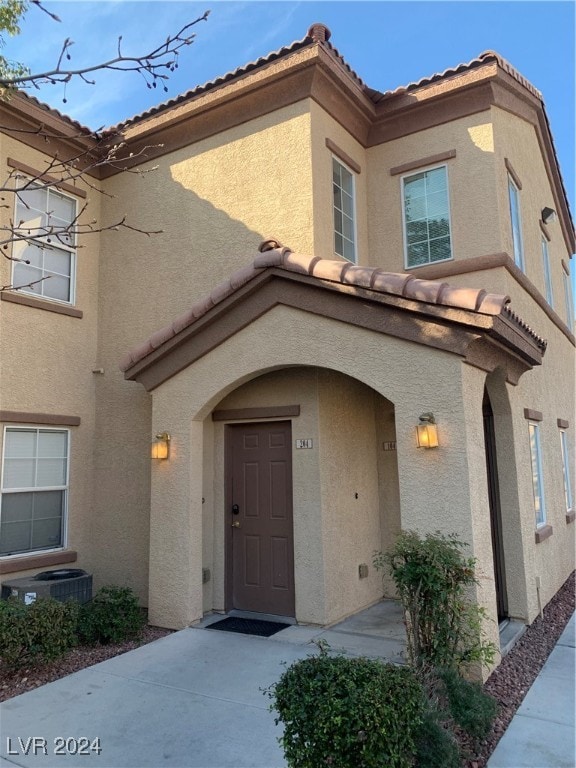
{"x":214,"y":201}
{"x":428,"y":495}
{"x":46,"y":361}
{"x":323,"y":127}
{"x":472,"y":189}
{"x":517,"y":141}
{"x":350,"y":493}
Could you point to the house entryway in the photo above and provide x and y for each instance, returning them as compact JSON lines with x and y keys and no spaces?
{"x":258,"y":518}
{"x":495,"y":509}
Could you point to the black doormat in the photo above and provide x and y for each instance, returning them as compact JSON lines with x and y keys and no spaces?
{"x":248,"y":626}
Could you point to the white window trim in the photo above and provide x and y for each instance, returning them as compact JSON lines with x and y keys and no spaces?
{"x":402,"y":179}
{"x":536,"y":468}
{"x":519,"y":258}
{"x":354,"y":213}
{"x":547,"y":272}
{"x":65,"y":488}
{"x":566,"y":470}
{"x":72,"y":250}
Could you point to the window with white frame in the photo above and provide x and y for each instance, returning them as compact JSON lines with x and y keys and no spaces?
{"x":517,"y":244}
{"x":537,"y":480}
{"x":34,"y":489}
{"x":45,"y":251}
{"x":344,"y":211}
{"x":568,"y":300}
{"x":426,"y":213}
{"x":566,"y":470}
{"x":547,"y":273}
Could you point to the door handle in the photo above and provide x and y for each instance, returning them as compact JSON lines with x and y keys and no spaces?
{"x":236,"y":524}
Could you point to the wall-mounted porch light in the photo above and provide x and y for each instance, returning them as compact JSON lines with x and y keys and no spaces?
{"x":548,"y":215}
{"x":427,"y":431}
{"x":160,"y":448}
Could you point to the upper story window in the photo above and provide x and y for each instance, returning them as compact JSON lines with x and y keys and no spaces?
{"x":537,"y":481}
{"x":547,"y":273}
{"x":514,"y":196}
{"x":568,"y":300}
{"x":344,"y":211}
{"x":34,"y":489}
{"x":47,"y":260}
{"x":426,"y":210}
{"x":566,"y":470}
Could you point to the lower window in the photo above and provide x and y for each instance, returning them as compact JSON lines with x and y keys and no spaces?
{"x":34,"y":490}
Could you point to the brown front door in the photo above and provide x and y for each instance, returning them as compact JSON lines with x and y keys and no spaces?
{"x":258,"y":518}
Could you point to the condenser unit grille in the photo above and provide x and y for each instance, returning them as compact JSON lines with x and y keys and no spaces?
{"x":28,"y":590}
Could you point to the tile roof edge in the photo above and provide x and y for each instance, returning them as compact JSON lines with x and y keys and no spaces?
{"x":273,"y":254}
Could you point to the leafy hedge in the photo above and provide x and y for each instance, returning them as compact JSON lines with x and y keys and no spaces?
{"x":112,"y":616}
{"x":348,"y":712}
{"x":35,"y":633}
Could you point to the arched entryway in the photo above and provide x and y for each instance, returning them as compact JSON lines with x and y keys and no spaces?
{"x":303,"y":489}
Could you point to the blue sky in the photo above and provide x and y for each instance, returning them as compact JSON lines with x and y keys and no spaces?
{"x":387,"y":43}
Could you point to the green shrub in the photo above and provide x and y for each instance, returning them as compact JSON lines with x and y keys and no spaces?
{"x":112,"y":616}
{"x":432,"y":577}
{"x":469,"y":706}
{"x":436,"y":747}
{"x":41,"y":631}
{"x":347,"y":712}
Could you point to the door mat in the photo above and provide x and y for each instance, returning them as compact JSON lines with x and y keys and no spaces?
{"x":248,"y":626}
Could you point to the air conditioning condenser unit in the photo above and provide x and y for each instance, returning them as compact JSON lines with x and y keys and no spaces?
{"x":63,"y":584}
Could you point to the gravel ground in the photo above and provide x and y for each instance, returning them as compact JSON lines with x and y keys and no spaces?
{"x":508,"y":684}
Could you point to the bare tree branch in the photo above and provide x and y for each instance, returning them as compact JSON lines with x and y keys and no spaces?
{"x":152,"y":65}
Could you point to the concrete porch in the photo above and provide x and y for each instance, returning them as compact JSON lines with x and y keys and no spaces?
{"x":377,"y":632}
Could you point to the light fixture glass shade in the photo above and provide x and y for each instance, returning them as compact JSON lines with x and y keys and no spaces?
{"x":160,"y":447}
{"x":427,"y":435}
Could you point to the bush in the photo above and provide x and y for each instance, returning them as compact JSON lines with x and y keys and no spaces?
{"x":432,"y":577}
{"x":436,"y":747}
{"x":347,"y":712}
{"x":112,"y":616}
{"x":41,"y":631}
{"x":469,"y":706}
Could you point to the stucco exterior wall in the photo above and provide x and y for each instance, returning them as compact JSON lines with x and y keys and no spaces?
{"x":350,"y":493}
{"x":471,"y":182}
{"x":47,"y":359}
{"x":214,"y":201}
{"x":428,"y":495}
{"x":516,"y":140}
{"x":324,"y":127}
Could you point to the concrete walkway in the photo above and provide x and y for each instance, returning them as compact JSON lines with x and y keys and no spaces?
{"x":194,"y":700}
{"x":190,"y":700}
{"x":542,"y":732}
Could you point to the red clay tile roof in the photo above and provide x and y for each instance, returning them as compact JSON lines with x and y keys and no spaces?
{"x":273,"y":255}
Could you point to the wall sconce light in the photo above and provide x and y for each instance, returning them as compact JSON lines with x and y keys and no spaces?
{"x":160,"y":448}
{"x":427,"y":431}
{"x":548,"y":215}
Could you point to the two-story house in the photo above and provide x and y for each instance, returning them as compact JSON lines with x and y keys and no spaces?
{"x":335,"y":264}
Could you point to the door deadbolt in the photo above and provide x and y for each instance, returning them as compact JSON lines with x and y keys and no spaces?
{"x":235,"y":509}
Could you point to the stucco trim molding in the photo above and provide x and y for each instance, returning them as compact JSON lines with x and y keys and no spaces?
{"x":543,"y":533}
{"x":37,"y":561}
{"x":272,"y":412}
{"x":531,"y":415}
{"x":563,"y":423}
{"x":23,"y":417}
{"x":335,"y":149}
{"x":570,"y":516}
{"x":41,"y":176}
{"x":491,"y":261}
{"x":16,"y":297}
{"x":430,"y":160}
